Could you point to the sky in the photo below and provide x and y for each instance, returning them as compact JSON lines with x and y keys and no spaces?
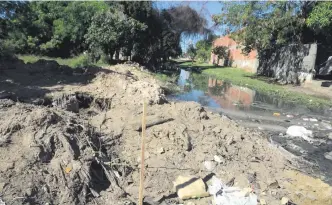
{"x":205,"y":8}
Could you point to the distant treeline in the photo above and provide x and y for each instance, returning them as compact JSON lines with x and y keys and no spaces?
{"x":135,"y":30}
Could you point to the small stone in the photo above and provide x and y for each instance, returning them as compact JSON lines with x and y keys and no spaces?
{"x":246,"y":191}
{"x":262,"y":202}
{"x":217,"y":129}
{"x":230,"y":140}
{"x":313,"y":120}
{"x":202,"y":128}
{"x":2,"y":185}
{"x":190,"y":187}
{"x":330,"y":136}
{"x":219,"y":159}
{"x":328,"y":155}
{"x":209,"y":165}
{"x":190,"y":203}
{"x":161,"y":150}
{"x":28,"y":192}
{"x":203,"y":115}
{"x":284,"y":200}
{"x":263,"y":193}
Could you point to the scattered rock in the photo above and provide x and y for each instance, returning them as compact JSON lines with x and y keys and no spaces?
{"x":246,"y":191}
{"x":209,"y":165}
{"x":203,"y":115}
{"x":190,"y":187}
{"x":274,"y":185}
{"x":161,"y":150}
{"x":328,"y":155}
{"x":219,"y":159}
{"x":262,"y":202}
{"x":217,"y":129}
{"x":284,"y":200}
{"x":330,"y":136}
{"x":202,"y":128}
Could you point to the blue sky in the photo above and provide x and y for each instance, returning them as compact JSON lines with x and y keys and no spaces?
{"x":205,"y":8}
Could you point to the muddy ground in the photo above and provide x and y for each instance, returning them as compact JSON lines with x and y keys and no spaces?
{"x":73,"y":137}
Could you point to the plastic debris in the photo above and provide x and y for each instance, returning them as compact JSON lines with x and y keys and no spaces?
{"x":306,"y":119}
{"x":290,"y":116}
{"x":299,"y":131}
{"x":224,"y":195}
{"x":277,"y":114}
{"x":68,"y":169}
{"x":313,"y":120}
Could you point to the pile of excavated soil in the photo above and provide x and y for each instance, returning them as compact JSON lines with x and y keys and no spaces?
{"x":84,"y":146}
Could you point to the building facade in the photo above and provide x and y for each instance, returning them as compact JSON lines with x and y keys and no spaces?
{"x":236,"y":57}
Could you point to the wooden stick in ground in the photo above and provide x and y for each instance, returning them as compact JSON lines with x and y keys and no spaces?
{"x":141,"y":185}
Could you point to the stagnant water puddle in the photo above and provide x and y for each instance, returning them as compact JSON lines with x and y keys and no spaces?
{"x":260,"y":111}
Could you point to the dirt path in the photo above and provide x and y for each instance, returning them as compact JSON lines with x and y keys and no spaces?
{"x":313,"y":88}
{"x":85,"y":148}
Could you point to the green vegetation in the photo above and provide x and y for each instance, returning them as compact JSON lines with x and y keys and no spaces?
{"x":204,"y":47}
{"x":137,"y":31}
{"x":268,"y":25}
{"x":78,"y":61}
{"x":192,"y":52}
{"x":221,"y":52}
{"x":239,"y":77}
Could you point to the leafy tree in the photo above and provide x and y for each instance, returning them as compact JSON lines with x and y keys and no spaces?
{"x":320,"y":20}
{"x":221,"y":52}
{"x":192,"y":52}
{"x":265,"y":25}
{"x":110,"y":29}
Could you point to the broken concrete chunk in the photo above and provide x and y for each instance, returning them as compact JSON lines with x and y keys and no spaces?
{"x":190,"y":187}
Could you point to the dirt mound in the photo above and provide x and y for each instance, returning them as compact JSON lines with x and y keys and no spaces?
{"x":51,"y":156}
{"x":83,"y":147}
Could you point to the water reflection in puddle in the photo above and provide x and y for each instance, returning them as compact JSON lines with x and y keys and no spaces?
{"x":215,"y":93}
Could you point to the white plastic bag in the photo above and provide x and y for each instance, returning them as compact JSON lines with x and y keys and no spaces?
{"x":224,"y":195}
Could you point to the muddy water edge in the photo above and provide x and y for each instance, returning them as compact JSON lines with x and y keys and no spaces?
{"x":262,"y":112}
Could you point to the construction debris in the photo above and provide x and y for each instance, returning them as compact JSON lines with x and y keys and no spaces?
{"x":190,"y":187}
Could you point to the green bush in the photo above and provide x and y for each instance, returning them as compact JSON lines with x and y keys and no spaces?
{"x":79,"y":61}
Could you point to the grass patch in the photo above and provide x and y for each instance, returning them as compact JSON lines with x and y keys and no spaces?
{"x":239,"y":77}
{"x":189,"y":64}
{"x":77,"y":61}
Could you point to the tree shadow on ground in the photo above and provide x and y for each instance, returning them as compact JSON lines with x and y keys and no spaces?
{"x":24,"y":82}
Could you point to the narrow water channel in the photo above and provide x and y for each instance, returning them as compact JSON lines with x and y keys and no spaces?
{"x":269,"y":114}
